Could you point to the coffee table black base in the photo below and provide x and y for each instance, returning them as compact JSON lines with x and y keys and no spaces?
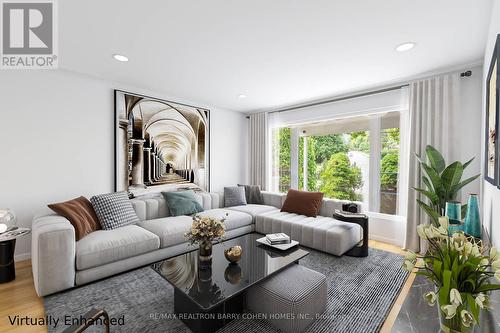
{"x":201,"y":321}
{"x":7,"y":268}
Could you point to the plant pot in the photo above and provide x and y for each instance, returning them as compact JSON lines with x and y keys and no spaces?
{"x":205,"y":254}
{"x":453,"y":325}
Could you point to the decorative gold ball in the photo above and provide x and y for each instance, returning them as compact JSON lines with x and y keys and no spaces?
{"x":233,"y":254}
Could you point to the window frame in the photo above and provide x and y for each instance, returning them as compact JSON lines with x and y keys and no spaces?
{"x":374,"y":129}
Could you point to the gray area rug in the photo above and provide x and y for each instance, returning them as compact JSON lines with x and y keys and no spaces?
{"x":361,"y":292}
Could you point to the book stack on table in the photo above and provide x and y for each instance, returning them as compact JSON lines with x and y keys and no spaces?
{"x":278,"y":238}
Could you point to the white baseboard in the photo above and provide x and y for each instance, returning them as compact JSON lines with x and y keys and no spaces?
{"x":22,"y":256}
{"x":387,"y":228}
{"x":386,"y":240}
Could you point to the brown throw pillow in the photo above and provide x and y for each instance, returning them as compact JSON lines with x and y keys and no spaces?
{"x":303,"y":203}
{"x":80,"y":214}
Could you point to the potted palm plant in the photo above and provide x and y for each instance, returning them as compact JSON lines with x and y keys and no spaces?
{"x":442,"y":183}
{"x":461,"y":272}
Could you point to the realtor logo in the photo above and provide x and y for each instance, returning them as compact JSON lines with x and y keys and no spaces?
{"x":28,"y":35}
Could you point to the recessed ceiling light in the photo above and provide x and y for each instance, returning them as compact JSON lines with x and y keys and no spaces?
{"x":120,"y":57}
{"x":242,"y":96}
{"x":405,"y":46}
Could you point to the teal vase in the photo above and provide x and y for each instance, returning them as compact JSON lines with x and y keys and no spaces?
{"x":453,"y":211}
{"x":472,"y":221}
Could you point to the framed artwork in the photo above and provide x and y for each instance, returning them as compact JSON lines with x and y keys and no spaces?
{"x":491,"y":172}
{"x":160,"y":145}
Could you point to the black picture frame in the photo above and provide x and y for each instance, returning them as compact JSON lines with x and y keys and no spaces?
{"x":206,"y":111}
{"x":492,"y":81}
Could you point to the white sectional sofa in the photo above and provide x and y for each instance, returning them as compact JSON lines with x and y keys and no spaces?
{"x":59,"y":262}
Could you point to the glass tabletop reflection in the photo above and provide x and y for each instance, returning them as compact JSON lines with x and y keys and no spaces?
{"x":210,"y":286}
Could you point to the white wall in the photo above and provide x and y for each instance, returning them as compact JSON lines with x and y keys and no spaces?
{"x":467,"y":137}
{"x":56,"y":141}
{"x":387,"y":228}
{"x":229,"y":149}
{"x":491,"y":195}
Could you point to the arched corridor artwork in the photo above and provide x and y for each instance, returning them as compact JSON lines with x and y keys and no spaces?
{"x":159,"y":144}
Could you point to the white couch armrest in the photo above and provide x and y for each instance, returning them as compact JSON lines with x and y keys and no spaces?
{"x":52,"y":254}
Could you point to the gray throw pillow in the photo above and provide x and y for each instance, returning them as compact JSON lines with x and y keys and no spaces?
{"x":234,"y":196}
{"x":253,"y":195}
{"x":182,"y":203}
{"x":114,"y":210}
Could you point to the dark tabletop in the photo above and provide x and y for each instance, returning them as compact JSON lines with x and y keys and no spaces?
{"x":416,"y":316}
{"x":209,"y":287}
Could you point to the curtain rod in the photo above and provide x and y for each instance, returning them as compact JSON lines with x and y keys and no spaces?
{"x":373,"y":92}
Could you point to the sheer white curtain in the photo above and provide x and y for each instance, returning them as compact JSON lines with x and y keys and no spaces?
{"x":433,"y":105}
{"x":258,"y":138}
{"x":404,"y":154}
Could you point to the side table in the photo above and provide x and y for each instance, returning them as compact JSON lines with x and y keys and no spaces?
{"x":7,"y":249}
{"x":361,"y":249}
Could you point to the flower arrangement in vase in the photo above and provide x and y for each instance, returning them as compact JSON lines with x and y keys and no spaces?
{"x":205,"y":230}
{"x":461,"y":272}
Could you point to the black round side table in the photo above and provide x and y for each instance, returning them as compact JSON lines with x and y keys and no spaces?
{"x":7,"y":268}
{"x":360,"y":250}
{"x":7,"y":249}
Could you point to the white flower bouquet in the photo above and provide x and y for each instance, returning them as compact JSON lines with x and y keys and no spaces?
{"x":461,"y":272}
{"x":205,"y":230}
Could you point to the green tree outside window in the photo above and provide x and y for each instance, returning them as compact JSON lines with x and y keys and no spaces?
{"x":340,"y":179}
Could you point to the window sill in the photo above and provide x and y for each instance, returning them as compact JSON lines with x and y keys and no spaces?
{"x":382,"y":216}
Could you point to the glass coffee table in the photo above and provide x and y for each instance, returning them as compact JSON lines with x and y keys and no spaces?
{"x":206,"y":299}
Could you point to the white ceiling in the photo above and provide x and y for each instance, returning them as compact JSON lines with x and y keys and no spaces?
{"x":277,"y":52}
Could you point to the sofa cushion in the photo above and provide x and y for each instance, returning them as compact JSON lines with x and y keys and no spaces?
{"x":303,"y":202}
{"x":254,"y":209}
{"x":80,"y":214}
{"x":114,"y":210}
{"x":150,"y":208}
{"x":252,"y":194}
{"x":321,"y":233}
{"x":106,"y":246}
{"x":182,"y":202}
{"x":234,"y":219}
{"x":154,"y":206}
{"x":234,"y":196}
{"x":170,"y":230}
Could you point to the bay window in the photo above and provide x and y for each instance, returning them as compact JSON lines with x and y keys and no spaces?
{"x":353,"y":158}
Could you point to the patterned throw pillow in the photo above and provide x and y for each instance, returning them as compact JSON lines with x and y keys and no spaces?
{"x":114,"y":210}
{"x":234,"y":196}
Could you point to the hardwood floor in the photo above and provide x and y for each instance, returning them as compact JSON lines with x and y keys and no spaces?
{"x":19,"y":298}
